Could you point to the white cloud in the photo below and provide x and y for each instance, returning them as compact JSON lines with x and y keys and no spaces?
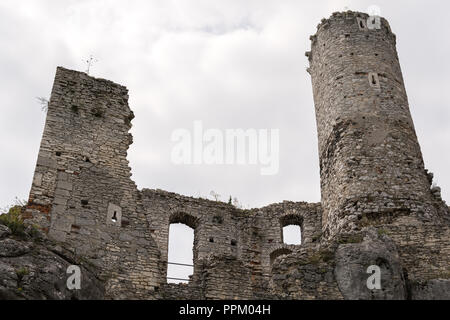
{"x":232,"y":64}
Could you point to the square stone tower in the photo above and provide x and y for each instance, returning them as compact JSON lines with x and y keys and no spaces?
{"x":82,"y":194}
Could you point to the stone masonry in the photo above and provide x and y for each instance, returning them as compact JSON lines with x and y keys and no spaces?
{"x":377,"y":207}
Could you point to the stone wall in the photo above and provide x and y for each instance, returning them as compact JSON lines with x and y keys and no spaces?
{"x":247,"y":240}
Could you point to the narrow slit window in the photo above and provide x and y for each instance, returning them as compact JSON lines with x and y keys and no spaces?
{"x":374,"y":80}
{"x":114,"y":215}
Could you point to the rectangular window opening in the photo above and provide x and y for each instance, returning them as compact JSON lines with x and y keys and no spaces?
{"x":292,"y":234}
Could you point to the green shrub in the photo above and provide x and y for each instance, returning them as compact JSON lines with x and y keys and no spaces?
{"x":22,"y":272}
{"x":351,"y":238}
{"x":13,"y":220}
{"x":34,"y":232}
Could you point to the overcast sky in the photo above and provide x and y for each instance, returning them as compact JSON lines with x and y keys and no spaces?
{"x":229,"y":63}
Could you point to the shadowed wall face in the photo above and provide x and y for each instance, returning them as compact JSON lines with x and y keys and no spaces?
{"x":370,"y":160}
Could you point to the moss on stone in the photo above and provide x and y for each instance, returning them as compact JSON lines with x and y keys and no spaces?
{"x":351,"y":238}
{"x":22,"y":272}
{"x":322,"y":256}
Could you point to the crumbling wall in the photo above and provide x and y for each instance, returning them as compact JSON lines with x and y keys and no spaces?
{"x":306,"y":274}
{"x":82,"y":194}
{"x":424,"y":248}
{"x":246,"y":239}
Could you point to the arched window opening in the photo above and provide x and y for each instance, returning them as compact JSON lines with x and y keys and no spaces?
{"x":292,"y":234}
{"x":180,"y":264}
{"x":291,"y":229}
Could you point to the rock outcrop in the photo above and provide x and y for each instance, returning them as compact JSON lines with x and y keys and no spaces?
{"x":33,"y":267}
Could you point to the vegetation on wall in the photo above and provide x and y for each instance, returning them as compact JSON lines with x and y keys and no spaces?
{"x":13,"y":220}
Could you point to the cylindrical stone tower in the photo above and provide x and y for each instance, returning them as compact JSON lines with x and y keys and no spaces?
{"x":371,"y":166}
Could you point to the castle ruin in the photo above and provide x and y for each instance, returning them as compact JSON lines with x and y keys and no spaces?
{"x":377,"y":206}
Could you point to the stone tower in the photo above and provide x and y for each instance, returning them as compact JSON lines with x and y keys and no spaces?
{"x":371,"y":166}
{"x":82,"y":153}
{"x":82,"y":194}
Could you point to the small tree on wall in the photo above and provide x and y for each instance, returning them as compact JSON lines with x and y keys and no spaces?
{"x":90,"y":62}
{"x":215,"y":195}
{"x":236,"y":203}
{"x":43,"y":102}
